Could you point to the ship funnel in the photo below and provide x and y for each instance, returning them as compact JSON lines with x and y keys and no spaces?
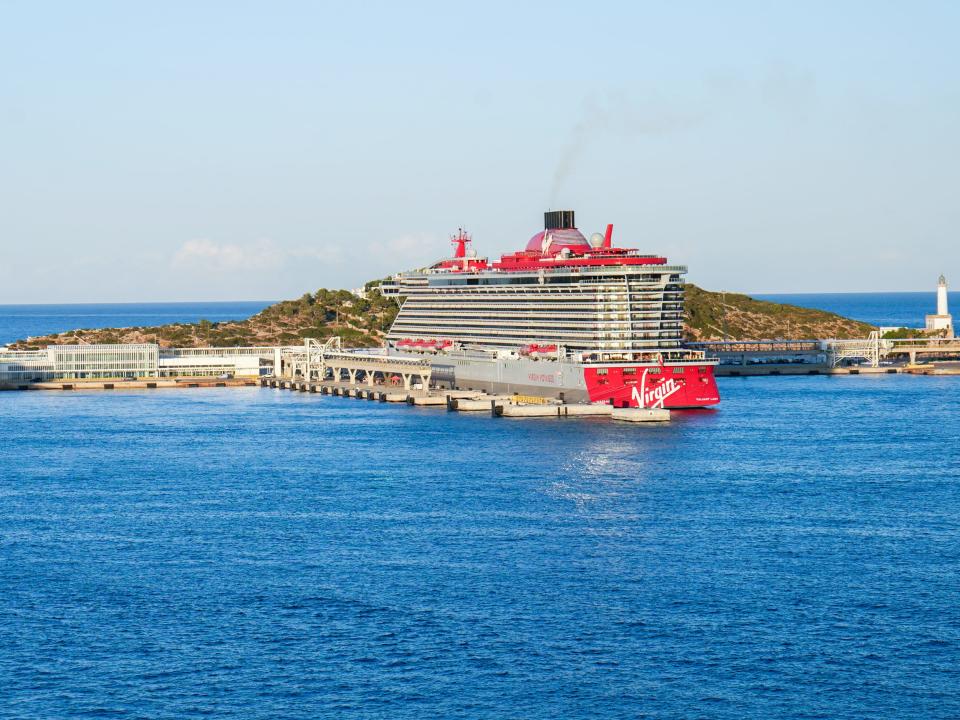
{"x":558,"y":220}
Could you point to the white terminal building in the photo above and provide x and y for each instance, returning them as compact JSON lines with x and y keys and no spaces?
{"x":942,"y":320}
{"x":142,"y":360}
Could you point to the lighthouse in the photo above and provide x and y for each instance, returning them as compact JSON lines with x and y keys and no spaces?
{"x":942,"y":320}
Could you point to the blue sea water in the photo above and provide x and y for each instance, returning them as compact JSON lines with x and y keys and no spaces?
{"x":901,"y":309}
{"x":254,"y":553}
{"x":18,"y":322}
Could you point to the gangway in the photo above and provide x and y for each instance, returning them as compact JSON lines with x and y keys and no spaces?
{"x":870,"y":349}
{"x":315,"y":359}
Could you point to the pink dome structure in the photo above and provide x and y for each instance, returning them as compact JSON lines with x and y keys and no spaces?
{"x":559,"y":239}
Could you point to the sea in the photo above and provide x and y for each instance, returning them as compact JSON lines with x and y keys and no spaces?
{"x":18,"y":322}
{"x":256,"y":553}
{"x":899,"y":309}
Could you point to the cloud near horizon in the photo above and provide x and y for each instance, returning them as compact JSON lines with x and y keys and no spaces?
{"x":204,"y":254}
{"x":271,"y":263}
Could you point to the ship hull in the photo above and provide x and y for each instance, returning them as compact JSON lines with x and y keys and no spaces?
{"x":670,"y":385}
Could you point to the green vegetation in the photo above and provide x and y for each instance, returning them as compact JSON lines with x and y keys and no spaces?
{"x":912,"y":334}
{"x":360,"y":322}
{"x":716,"y":316}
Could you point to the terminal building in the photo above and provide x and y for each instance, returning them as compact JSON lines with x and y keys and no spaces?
{"x":143,"y":360}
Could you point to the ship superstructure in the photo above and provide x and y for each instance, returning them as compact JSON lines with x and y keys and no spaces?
{"x":565,"y":316}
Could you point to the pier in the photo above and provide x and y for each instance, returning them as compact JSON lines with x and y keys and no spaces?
{"x":499,"y":406}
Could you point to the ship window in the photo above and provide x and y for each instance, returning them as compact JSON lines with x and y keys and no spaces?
{"x":602,"y":371}
{"x":702,"y":370}
{"x":629,"y":371}
{"x":678,"y":371}
{"x":655,"y":371}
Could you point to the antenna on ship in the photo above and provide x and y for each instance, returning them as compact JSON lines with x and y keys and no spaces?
{"x":460,"y":240}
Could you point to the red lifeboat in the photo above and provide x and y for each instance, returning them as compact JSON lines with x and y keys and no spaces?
{"x":535,"y":351}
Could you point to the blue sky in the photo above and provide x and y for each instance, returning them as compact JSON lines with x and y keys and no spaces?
{"x":205,"y":150}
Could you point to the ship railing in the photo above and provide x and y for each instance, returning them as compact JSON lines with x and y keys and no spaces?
{"x":675,"y":355}
{"x":519,"y":339}
{"x":620,"y":327}
{"x":613,"y":284}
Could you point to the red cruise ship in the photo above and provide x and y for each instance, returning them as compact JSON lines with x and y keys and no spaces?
{"x":566,"y":317}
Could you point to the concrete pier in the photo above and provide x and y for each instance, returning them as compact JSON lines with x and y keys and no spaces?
{"x":551,"y":410}
{"x":474,"y":404}
{"x":435,"y":400}
{"x":640,"y":414}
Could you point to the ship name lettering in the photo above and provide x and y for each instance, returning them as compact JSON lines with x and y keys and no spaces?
{"x":538,"y":377}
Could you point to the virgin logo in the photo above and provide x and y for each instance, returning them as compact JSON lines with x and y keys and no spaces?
{"x":655,"y":396}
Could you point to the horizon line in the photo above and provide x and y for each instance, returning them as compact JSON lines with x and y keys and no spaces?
{"x":751,"y":293}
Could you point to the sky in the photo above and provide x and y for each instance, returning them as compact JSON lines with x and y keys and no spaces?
{"x":207,"y":150}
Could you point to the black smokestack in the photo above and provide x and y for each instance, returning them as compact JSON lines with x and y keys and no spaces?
{"x":558,"y":220}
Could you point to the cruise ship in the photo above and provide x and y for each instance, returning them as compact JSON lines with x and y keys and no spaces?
{"x":566,"y":317}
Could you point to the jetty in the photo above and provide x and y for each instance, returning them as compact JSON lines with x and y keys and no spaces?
{"x":499,"y":406}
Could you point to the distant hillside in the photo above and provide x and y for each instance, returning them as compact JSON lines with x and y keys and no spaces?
{"x":359,"y":322}
{"x":714,"y":316}
{"x":364,"y":322}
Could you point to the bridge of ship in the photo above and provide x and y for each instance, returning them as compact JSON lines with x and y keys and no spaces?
{"x":328,"y":361}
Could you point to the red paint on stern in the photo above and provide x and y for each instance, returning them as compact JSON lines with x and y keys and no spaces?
{"x":666,"y":386}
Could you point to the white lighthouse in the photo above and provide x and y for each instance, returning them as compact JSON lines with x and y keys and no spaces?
{"x":942,"y":320}
{"x":942,"y":308}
